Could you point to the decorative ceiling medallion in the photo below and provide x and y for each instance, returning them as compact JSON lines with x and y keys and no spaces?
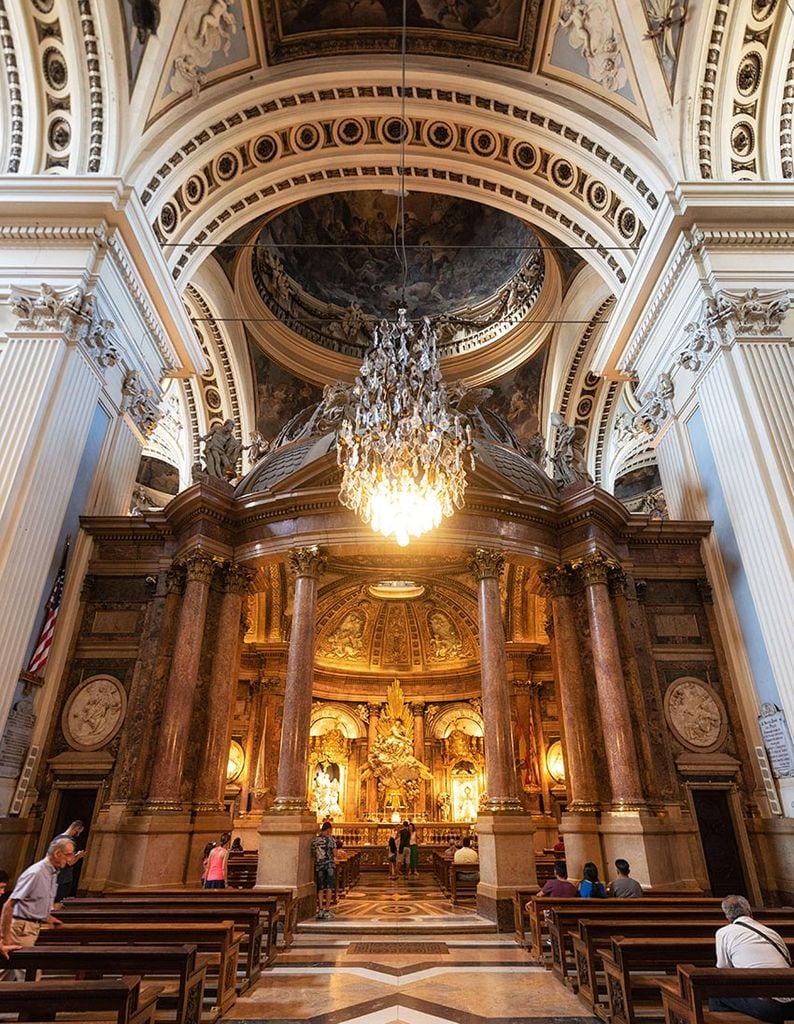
{"x":500,"y":33}
{"x":94,"y":713}
{"x":695,"y":714}
{"x":396,"y":590}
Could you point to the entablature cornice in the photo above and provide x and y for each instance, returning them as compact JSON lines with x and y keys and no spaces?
{"x":699,"y":225}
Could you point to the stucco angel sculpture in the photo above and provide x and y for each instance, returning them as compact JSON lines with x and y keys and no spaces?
{"x":391,"y":759}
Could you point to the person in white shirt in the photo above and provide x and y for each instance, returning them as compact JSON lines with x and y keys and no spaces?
{"x":747,"y":943}
{"x":465,"y":855}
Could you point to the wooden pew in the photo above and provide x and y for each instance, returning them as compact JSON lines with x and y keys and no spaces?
{"x":521,"y":903}
{"x":241,"y":869}
{"x":537,"y":907}
{"x":285,"y":899}
{"x":593,"y":934}
{"x":684,"y":996}
{"x":180,"y":965}
{"x":460,"y":887}
{"x":246,"y":921}
{"x":259,"y":944}
{"x":635,"y":969}
{"x":563,"y":916}
{"x":219,"y":939}
{"x":122,"y":1001}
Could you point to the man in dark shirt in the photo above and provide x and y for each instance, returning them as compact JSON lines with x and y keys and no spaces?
{"x":404,"y":848}
{"x":559,"y":886}
{"x":66,"y":874}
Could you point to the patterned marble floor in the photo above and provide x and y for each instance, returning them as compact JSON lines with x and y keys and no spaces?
{"x":399,"y":952}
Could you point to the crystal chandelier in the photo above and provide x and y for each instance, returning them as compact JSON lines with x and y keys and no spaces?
{"x":401,"y":445}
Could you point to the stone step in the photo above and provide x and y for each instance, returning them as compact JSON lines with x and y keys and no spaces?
{"x":428,"y":926}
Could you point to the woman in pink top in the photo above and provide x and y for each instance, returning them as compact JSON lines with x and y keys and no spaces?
{"x":215,"y":864}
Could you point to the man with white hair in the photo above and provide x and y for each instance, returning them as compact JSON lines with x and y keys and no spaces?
{"x":30,"y":904}
{"x":747,"y":943}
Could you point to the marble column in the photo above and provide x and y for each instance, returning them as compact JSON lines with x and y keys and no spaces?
{"x":572,"y":692}
{"x":487,"y":566}
{"x":505,"y":832}
{"x":254,"y":740}
{"x":166,"y":784}
{"x":221,"y":696}
{"x":372,"y":735}
{"x":418,"y":711}
{"x":286,"y":829}
{"x":620,"y":749}
{"x":306,"y":565}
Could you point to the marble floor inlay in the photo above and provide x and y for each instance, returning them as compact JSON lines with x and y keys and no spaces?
{"x":434,"y":964}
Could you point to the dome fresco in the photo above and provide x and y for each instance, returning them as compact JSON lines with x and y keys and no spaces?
{"x":442,"y":276}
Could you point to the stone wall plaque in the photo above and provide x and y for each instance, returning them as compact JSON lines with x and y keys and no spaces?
{"x":777,"y":740}
{"x":670,"y":625}
{"x":695,"y":714}
{"x":94,"y":713}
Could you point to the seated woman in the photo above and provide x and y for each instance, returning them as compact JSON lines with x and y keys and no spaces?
{"x":590,"y":887}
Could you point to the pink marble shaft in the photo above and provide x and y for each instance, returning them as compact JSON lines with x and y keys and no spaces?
{"x":211,"y":784}
{"x":497,"y":724}
{"x":580,"y":776}
{"x":621,"y":753}
{"x":292,"y":782}
{"x":166,"y":783}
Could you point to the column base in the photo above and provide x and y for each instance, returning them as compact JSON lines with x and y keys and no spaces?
{"x":507,"y":862}
{"x":285,"y":856}
{"x":134,"y":848}
{"x":661,"y":848}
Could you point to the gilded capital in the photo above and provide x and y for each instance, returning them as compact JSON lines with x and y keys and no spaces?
{"x":306,"y":562}
{"x":487,"y":563}
{"x":417,"y":708}
{"x":236,"y":578}
{"x":560,"y":581}
{"x":593,"y":568}
{"x":199,"y":565}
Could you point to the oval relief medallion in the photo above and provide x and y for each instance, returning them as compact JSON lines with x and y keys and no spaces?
{"x":94,"y":713}
{"x":695,"y":714}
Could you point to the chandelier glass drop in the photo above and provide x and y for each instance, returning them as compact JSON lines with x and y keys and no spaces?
{"x":401,"y":446}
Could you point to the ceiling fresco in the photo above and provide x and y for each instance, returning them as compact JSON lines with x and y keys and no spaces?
{"x":516,"y":396}
{"x":278,"y":394}
{"x":366,"y":269}
{"x":500,"y":31}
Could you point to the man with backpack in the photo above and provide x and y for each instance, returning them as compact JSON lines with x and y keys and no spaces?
{"x":324,"y":856}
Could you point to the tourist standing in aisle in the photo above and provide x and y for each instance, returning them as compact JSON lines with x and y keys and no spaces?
{"x":217,"y":864}
{"x":414,"y":848}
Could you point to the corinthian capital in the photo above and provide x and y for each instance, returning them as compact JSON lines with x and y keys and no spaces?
{"x":487,"y":563}
{"x":306,"y":562}
{"x":594,"y":568}
{"x":47,"y":309}
{"x":237,"y":578}
{"x":199,"y":565}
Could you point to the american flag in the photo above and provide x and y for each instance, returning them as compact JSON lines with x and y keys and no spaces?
{"x":42,"y":653}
